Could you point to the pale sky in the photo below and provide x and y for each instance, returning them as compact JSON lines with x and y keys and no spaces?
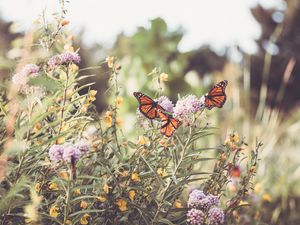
{"x":216,"y":22}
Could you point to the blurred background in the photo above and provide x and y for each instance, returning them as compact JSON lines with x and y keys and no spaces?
{"x":254,"y":44}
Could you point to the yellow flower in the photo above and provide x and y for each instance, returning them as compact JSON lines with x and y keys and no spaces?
{"x":142,"y":140}
{"x":68,"y":48}
{"x":60,"y":140}
{"x":243,"y":202}
{"x":161,"y":172}
{"x":84,"y":108}
{"x":101,"y":198}
{"x":178,"y":204}
{"x":163,"y":77}
{"x":83,"y":204}
{"x":110,"y":61}
{"x":77,"y":191}
{"x":131,"y":195}
{"x":68,"y":222}
{"x":73,"y":67}
{"x":64,"y":22}
{"x":37,"y":127}
{"x":106,"y":188}
{"x":93,"y":93}
{"x":64,"y":175}
{"x":118,"y":101}
{"x":85,"y":219}
{"x":235,"y":138}
{"x":37,"y":187}
{"x":53,"y":211}
{"x":125,"y":173}
{"x":257,"y":188}
{"x":163,"y":142}
{"x":119,"y":121}
{"x":53,"y":186}
{"x":122,"y":204}
{"x":267,"y":197}
{"x":108,"y":119}
{"x":135,"y":177}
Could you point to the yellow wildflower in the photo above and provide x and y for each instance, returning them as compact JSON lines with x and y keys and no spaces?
{"x":68,"y":48}
{"x":267,"y":197}
{"x":243,"y":202}
{"x":257,"y":188}
{"x":108,"y":118}
{"x":83,"y":204}
{"x":110,"y":61}
{"x":125,"y":173}
{"x":118,"y":101}
{"x":163,"y":77}
{"x":163,"y":142}
{"x":93,"y":93}
{"x":68,"y":222}
{"x":161,"y":172}
{"x":53,"y":186}
{"x":131,"y":195}
{"x":178,"y":204}
{"x":106,"y":188}
{"x":73,"y":68}
{"x":101,"y":198}
{"x":60,"y":140}
{"x":119,"y":121}
{"x":135,"y":177}
{"x":84,"y":108}
{"x":64,"y":22}
{"x":37,"y":127}
{"x":235,"y":138}
{"x":37,"y":187}
{"x":85,"y":219}
{"x":142,"y":140}
{"x":53,"y":211}
{"x":64,"y":175}
{"x":77,"y":191}
{"x":122,"y":204}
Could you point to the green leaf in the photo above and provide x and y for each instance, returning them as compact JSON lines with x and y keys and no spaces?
{"x":46,"y":82}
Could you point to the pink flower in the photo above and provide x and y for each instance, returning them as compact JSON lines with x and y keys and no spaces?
{"x":64,"y":58}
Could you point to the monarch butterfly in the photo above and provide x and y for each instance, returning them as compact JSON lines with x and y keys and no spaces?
{"x":216,"y":97}
{"x":148,"y":107}
{"x":169,"y":123}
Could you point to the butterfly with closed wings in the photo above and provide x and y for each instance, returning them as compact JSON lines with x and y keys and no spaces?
{"x":216,"y":97}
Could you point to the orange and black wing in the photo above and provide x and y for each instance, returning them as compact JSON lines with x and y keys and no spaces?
{"x":148,"y":107}
{"x":216,"y":97}
{"x":169,"y":124}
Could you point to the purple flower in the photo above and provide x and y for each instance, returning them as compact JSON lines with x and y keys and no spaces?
{"x":83,"y":146}
{"x":166,"y":103}
{"x":214,"y":200}
{"x":186,"y":107}
{"x":30,"y":69}
{"x":194,"y":198}
{"x":56,"y":153}
{"x":71,"y":152}
{"x":195,"y":217}
{"x":215,"y":216}
{"x":64,"y":58}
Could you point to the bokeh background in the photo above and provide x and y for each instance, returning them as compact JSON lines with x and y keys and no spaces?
{"x":254,"y":44}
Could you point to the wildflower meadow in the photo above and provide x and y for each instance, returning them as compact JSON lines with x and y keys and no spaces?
{"x":63,"y":161}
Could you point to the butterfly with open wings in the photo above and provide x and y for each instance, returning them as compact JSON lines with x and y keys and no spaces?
{"x":216,"y":97}
{"x":151,"y":109}
{"x":148,"y":107}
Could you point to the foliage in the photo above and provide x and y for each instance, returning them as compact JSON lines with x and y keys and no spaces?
{"x":66,"y":164}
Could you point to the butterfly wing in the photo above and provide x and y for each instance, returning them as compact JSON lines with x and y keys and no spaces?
{"x":216,"y":97}
{"x":169,"y":124}
{"x":148,"y":107}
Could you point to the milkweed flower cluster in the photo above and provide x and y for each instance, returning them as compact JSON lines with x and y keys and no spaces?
{"x":68,"y":151}
{"x":166,"y":103}
{"x":188,"y":106}
{"x":21,"y":78}
{"x":204,"y":206}
{"x":64,"y":58}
